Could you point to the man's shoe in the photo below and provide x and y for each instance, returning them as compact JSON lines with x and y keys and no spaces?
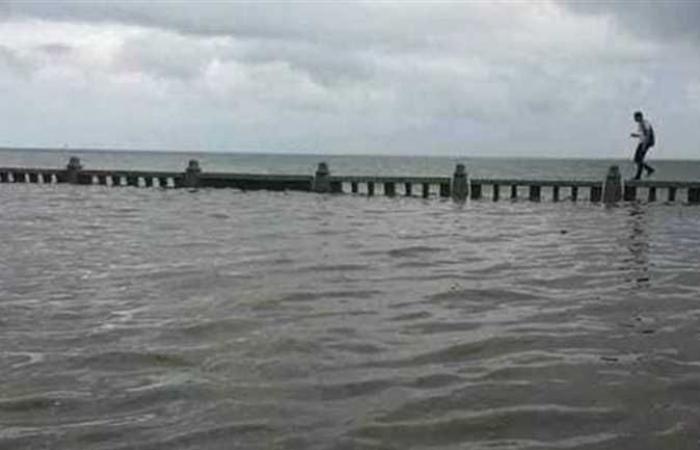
{"x":650,"y":171}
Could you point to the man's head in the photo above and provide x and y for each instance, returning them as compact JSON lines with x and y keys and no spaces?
{"x":638,"y":116}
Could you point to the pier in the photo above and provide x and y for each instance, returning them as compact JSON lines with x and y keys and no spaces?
{"x":610,"y":188}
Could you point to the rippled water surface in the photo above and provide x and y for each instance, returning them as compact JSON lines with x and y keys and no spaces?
{"x":163,"y":319}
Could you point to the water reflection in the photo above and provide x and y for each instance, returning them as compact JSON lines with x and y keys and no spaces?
{"x":637,"y":243}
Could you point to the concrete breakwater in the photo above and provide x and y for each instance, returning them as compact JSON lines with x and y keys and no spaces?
{"x":610,"y":188}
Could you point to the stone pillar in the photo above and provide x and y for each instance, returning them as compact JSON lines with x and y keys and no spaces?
{"x":322,"y":182}
{"x":460,"y":187}
{"x":612,"y":187}
{"x":652,"y":194}
{"x":192,"y":174}
{"x":73,"y":170}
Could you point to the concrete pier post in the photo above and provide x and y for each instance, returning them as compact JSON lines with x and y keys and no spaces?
{"x":535,"y":192}
{"x":474,"y":191}
{"x":444,"y":189}
{"x":555,"y":193}
{"x":672,"y":194}
{"x":574,"y":193}
{"x":425,"y":191}
{"x":496,"y":192}
{"x":629,"y":193}
{"x":460,"y":187}
{"x":322,"y":182}
{"x":652,"y":194}
{"x":192,"y":174}
{"x":513,"y":192}
{"x":73,"y":170}
{"x":390,"y":189}
{"x":612,"y":187}
{"x":408,"y":189}
{"x":353,"y":187}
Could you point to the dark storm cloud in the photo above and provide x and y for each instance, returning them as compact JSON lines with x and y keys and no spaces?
{"x":664,"y":19}
{"x":244,"y":19}
{"x":345,"y":24}
{"x":69,"y":11}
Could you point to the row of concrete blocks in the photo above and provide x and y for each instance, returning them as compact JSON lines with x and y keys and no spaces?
{"x":459,"y":187}
{"x":46,"y":177}
{"x":73,"y":174}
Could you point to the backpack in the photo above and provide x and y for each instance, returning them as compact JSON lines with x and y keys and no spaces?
{"x":651,"y":139}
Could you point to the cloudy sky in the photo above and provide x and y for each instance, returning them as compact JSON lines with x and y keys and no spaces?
{"x":518,"y":78}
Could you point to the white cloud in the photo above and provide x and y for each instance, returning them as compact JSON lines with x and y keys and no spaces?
{"x":517,"y":78}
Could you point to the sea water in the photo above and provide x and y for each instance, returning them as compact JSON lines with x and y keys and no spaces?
{"x":218,"y":319}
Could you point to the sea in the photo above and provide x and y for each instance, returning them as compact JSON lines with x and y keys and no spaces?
{"x":137,"y":318}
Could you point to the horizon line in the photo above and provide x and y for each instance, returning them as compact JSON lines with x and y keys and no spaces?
{"x":288,"y":153}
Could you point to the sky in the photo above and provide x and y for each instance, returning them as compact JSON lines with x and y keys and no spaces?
{"x":539,"y":78}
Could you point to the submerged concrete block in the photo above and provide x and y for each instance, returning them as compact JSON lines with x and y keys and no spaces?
{"x":612,"y":186}
{"x":474,"y":191}
{"x":425,"y":190}
{"x":390,"y":189}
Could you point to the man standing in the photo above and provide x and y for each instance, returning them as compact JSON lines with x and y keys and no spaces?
{"x":646,"y":141}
